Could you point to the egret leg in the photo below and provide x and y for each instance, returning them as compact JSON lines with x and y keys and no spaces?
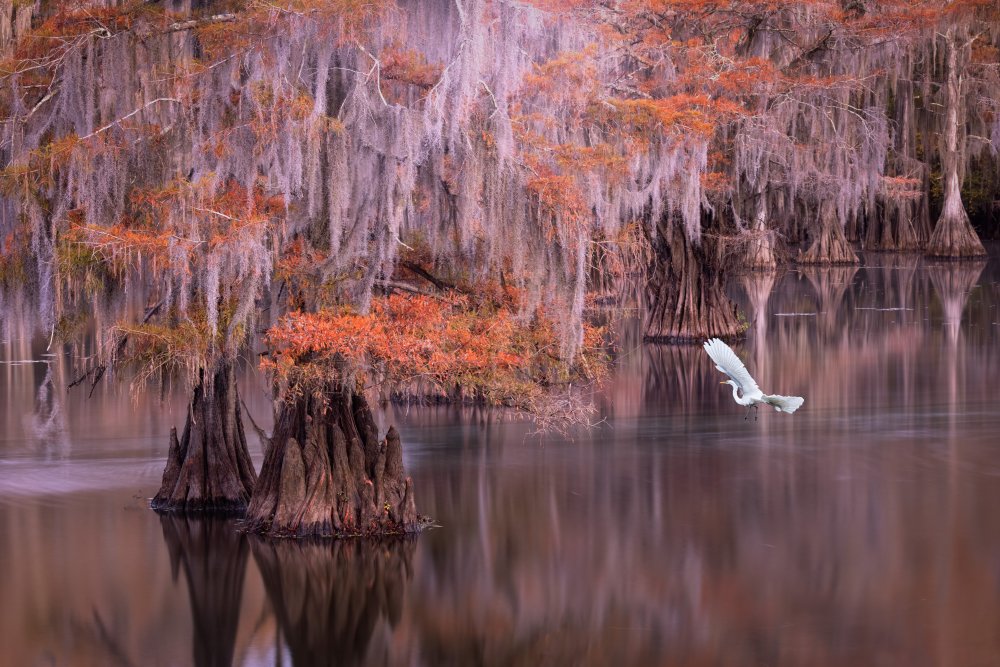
{"x":756,"y":411}
{"x":747,"y":415}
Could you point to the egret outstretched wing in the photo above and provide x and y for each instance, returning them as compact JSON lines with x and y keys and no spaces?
{"x":727,"y":362}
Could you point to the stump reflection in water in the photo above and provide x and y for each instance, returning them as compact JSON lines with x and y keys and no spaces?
{"x":330,"y":596}
{"x":213,"y":555}
{"x":860,"y":531}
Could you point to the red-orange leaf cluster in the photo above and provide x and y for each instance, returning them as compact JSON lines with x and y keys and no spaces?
{"x":441,"y":346}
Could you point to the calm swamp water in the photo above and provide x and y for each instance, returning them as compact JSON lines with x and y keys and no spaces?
{"x":863,"y":530}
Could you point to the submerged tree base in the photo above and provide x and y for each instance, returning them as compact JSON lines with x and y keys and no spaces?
{"x":326,"y":473}
{"x":761,"y":251}
{"x":829,"y":244}
{"x":762,"y":254}
{"x":896,"y":229}
{"x":954,"y":238}
{"x":687,"y":303}
{"x":209,"y":468}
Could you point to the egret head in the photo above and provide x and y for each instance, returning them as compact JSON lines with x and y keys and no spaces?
{"x":729,"y":382}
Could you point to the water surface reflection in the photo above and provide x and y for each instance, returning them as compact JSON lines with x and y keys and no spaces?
{"x":863,"y":530}
{"x":331,"y":599}
{"x":212,"y":554}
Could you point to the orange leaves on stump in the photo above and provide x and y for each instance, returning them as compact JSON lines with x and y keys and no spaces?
{"x":439,"y":343}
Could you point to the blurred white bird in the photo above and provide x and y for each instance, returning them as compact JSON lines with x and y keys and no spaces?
{"x":727,"y":362}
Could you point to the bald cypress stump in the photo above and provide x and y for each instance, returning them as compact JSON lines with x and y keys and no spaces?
{"x":209,"y":468}
{"x":895,"y":227}
{"x":761,"y":251}
{"x":327,"y":474}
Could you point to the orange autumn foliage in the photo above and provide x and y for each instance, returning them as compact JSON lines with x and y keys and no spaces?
{"x":423,"y":346}
{"x":407,"y":66}
{"x":558,"y":199}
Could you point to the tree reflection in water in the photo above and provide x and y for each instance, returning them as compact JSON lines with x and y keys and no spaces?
{"x":861,"y":530}
{"x":212,"y":554}
{"x":330,"y":597}
{"x":48,"y":423}
{"x":680,"y":536}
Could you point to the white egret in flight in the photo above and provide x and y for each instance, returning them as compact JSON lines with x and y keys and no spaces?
{"x":727,"y":362}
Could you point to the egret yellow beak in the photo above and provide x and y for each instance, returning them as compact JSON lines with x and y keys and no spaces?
{"x":722,"y":383}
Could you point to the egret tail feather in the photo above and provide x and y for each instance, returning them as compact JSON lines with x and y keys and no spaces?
{"x":787,"y":404}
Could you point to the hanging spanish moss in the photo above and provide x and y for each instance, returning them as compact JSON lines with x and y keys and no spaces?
{"x":193,"y":173}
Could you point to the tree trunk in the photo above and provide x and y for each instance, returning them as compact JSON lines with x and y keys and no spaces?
{"x":213,"y":555}
{"x":953,"y":235}
{"x":761,"y":249}
{"x":829,"y":245}
{"x":327,"y":474}
{"x":686,"y":301}
{"x":899,"y":223}
{"x":15,"y":23}
{"x":209,"y":469}
{"x":894,"y":229}
{"x":329,"y":598}
{"x":852,"y":228}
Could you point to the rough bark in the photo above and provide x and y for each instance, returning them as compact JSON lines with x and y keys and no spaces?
{"x":900,"y":223}
{"x":209,"y":469}
{"x":761,"y":248}
{"x":953,"y":236}
{"x":329,"y":597}
{"x":686,"y":302}
{"x":829,"y":245}
{"x":213,"y":555}
{"x":327,"y":474}
{"x":853,"y":226}
{"x":896,"y":228}
{"x":15,"y":22}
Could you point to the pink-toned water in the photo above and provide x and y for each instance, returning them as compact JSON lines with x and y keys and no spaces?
{"x":863,"y":530}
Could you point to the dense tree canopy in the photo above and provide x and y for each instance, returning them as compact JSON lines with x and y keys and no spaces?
{"x":215,"y":143}
{"x":422,"y":198}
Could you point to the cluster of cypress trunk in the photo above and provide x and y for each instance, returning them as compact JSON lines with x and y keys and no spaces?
{"x":685,"y":293}
{"x":326,"y":472}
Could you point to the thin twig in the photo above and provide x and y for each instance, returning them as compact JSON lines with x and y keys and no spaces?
{"x":129,"y":115}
